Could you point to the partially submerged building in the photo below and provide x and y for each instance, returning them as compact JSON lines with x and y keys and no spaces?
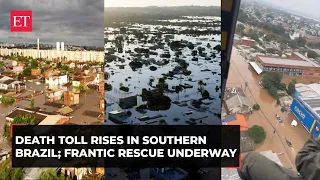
{"x":235,"y":101}
{"x":295,"y":65}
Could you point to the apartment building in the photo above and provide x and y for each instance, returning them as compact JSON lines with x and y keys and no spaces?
{"x":81,"y":56}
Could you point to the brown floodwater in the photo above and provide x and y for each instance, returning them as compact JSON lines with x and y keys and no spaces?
{"x":241,"y":72}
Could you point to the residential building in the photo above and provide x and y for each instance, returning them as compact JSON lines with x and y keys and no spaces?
{"x":247,"y":41}
{"x":17,"y":69}
{"x":41,"y":117}
{"x":119,"y":117}
{"x":56,"y":80}
{"x":235,"y":101}
{"x":246,"y":143}
{"x":71,"y":98}
{"x":35,"y":72}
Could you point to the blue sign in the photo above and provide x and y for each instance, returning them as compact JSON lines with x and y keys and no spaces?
{"x":303,"y":116}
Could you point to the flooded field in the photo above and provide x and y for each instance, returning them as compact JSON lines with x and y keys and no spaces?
{"x":163,"y":74}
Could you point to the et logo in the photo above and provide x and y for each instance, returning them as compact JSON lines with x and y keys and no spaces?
{"x":21,"y":21}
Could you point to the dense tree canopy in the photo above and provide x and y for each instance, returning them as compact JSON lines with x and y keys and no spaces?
{"x":272,"y":82}
{"x":9,"y":173}
{"x":257,"y":133}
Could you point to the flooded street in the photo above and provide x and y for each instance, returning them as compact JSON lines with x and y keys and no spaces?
{"x":240,"y":71}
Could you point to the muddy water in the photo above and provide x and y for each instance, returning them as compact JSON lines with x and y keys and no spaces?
{"x":240,"y":71}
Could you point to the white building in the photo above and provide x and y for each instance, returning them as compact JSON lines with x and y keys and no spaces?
{"x":62,"y":46}
{"x":81,"y":56}
{"x":56,"y":81}
{"x":58,"y":46}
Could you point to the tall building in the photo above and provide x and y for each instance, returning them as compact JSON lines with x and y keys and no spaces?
{"x":58,"y":46}
{"x":38,"y":47}
{"x":62,"y":46}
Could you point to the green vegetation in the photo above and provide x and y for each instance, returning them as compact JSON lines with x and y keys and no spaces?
{"x":9,"y":173}
{"x":83,"y":89}
{"x":240,"y":28}
{"x":205,"y":94}
{"x":312,"y":54}
{"x":32,"y":103}
{"x":50,"y":174}
{"x":272,"y":82}
{"x":123,"y":88}
{"x":256,"y":107}
{"x":7,"y":101}
{"x":314,"y":45}
{"x":20,"y":119}
{"x":162,"y":122}
{"x":291,"y":87}
{"x":257,"y":133}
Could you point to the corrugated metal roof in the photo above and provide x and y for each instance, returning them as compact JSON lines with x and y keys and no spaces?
{"x":290,"y":62}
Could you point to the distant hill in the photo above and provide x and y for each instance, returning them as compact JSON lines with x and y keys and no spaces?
{"x":136,"y":14}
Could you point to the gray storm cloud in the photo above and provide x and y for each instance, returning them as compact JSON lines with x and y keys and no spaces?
{"x":78,"y":22}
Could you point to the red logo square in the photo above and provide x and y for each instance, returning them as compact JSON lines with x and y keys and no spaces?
{"x":21,"y":21}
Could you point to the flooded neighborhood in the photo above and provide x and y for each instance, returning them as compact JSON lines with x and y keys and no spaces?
{"x":163,"y":71}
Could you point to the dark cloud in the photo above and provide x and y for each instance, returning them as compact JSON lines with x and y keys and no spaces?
{"x":71,"y":21}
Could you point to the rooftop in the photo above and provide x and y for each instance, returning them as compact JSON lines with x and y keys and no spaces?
{"x":286,"y":62}
{"x":16,"y":112}
{"x":308,"y":90}
{"x":236,"y":119}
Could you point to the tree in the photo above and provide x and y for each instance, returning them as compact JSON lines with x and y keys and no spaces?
{"x":34,"y":64}
{"x":19,"y":119}
{"x":257,"y":133}
{"x":50,"y":174}
{"x":7,"y":101}
{"x":256,"y":107}
{"x":9,"y":173}
{"x":312,"y":54}
{"x":32,"y":103}
{"x":205,"y":94}
{"x":217,"y":48}
{"x":272,"y":79}
{"x":240,"y":28}
{"x":291,"y":87}
{"x":83,"y":89}
{"x":162,"y":122}
{"x":2,"y":64}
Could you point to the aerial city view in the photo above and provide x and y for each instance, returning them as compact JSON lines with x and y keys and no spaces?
{"x":273,"y":88}
{"x":162,"y":65}
{"x":51,"y":76}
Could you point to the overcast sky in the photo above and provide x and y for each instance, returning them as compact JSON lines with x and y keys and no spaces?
{"x":143,"y":3}
{"x":308,"y":8}
{"x":78,"y":22}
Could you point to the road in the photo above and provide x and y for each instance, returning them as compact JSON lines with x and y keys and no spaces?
{"x":241,"y":72}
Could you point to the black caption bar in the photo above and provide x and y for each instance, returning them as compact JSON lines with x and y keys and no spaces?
{"x":125,"y":146}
